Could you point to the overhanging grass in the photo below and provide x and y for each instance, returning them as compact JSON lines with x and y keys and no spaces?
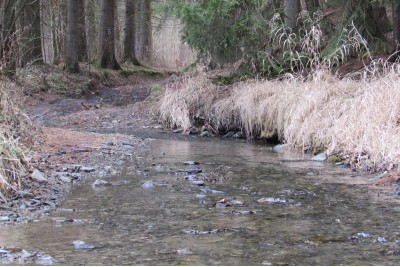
{"x":356,"y":119}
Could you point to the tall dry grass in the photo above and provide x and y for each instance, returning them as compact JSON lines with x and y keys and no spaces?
{"x":357,"y":119}
{"x":13,"y":125}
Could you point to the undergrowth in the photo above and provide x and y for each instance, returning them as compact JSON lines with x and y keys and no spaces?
{"x":15,"y":126}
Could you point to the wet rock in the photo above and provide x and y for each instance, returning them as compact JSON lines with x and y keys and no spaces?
{"x":190,"y":177}
{"x":148,"y":184}
{"x":206,"y":134}
{"x":194,"y":171}
{"x":199,"y":183}
{"x":320,"y":157}
{"x":380,"y":239}
{"x":100,"y":182}
{"x":78,"y":244}
{"x":179,"y":130}
{"x":191,"y":163}
{"x":280,"y":148}
{"x":4,"y":219}
{"x":38,"y":176}
{"x":207,"y":190}
{"x":228,"y":203}
{"x":194,"y":130}
{"x":238,"y":135}
{"x":228,"y":135}
{"x":272,"y":200}
{"x":65,"y":179}
{"x":88,"y":169}
{"x":76,"y":175}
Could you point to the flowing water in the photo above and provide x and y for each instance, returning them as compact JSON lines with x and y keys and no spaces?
{"x":257,"y":207}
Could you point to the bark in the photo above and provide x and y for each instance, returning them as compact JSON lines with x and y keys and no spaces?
{"x":145,"y":30}
{"x":30,"y":44}
{"x":82,"y":40}
{"x":71,"y":53}
{"x":130,"y":32}
{"x":107,"y":36}
{"x":293,"y":9}
{"x":396,"y":24}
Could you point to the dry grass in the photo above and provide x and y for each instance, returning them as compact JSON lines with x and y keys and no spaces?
{"x":14,"y":126}
{"x":356,"y":119}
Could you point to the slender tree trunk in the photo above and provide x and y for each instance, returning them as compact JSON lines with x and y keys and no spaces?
{"x":145,"y":30}
{"x":107,"y":36}
{"x":130,"y":32}
{"x":293,"y":9}
{"x":312,"y":5}
{"x":82,"y":40}
{"x":30,"y":45}
{"x":396,"y":24}
{"x":8,"y":55}
{"x":72,"y":51}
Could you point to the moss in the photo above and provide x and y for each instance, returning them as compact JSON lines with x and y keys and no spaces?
{"x":334,"y":159}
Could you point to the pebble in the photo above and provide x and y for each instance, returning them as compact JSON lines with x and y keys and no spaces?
{"x":38,"y":176}
{"x":88,"y":169}
{"x":199,"y":183}
{"x":191,"y":163}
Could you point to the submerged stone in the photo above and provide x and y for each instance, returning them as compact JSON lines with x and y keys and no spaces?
{"x":148,"y":184}
{"x":99,"y":182}
{"x":272,"y":200}
{"x":194,"y":171}
{"x":78,"y":244}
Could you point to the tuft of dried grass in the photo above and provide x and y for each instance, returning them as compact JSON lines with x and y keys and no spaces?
{"x":356,"y":119}
{"x":14,"y":126}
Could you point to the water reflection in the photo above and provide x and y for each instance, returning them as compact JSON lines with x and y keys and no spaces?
{"x":294,"y":212}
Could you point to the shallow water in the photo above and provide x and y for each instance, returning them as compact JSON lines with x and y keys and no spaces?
{"x":294,"y":212}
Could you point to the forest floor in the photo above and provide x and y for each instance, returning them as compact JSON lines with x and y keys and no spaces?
{"x":70,"y":144}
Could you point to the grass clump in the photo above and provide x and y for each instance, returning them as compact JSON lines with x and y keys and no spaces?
{"x":357,"y":120}
{"x":14,"y":128}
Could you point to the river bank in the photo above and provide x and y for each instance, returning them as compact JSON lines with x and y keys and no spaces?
{"x":71,"y":147}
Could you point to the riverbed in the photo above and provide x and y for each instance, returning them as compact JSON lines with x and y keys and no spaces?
{"x":198,"y":201}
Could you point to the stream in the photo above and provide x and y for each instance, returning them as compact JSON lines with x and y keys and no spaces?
{"x":248,"y":206}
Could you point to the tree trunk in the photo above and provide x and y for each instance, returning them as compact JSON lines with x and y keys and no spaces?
{"x":107,"y":33}
{"x":130,"y":32}
{"x":293,"y":8}
{"x":72,"y":51}
{"x":312,"y":6}
{"x":8,"y":55}
{"x":30,"y":44}
{"x":396,"y":24}
{"x":82,"y":40}
{"x":145,"y":30}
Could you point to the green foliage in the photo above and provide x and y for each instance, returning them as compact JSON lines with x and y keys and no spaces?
{"x":224,"y":31}
{"x":254,"y":32}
